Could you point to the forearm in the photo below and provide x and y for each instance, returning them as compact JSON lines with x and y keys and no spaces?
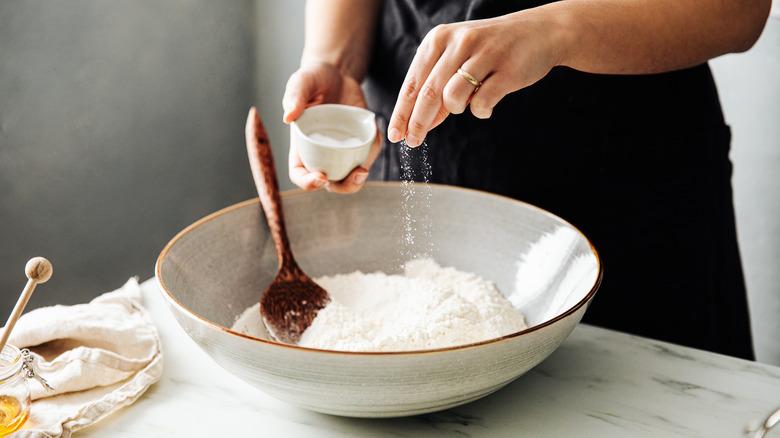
{"x":341,"y":33}
{"x":651,"y":36}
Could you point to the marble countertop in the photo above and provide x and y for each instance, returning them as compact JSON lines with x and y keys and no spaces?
{"x":599,"y":383}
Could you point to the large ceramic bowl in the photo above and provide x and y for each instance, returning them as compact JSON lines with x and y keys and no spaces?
{"x":219,"y":266}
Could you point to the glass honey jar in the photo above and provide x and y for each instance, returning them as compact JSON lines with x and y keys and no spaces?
{"x":14,"y":391}
{"x":16,"y":367}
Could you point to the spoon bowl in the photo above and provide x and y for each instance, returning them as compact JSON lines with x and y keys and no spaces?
{"x":293,"y":299}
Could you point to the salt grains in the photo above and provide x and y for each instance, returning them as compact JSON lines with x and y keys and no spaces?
{"x":416,"y":236}
{"x":335,"y":138}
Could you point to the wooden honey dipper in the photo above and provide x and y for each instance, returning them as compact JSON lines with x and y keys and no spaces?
{"x":38,"y":270}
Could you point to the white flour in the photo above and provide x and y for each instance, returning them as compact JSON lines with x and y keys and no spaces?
{"x":429,"y":307}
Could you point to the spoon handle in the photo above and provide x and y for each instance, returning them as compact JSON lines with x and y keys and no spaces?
{"x":261,"y":161}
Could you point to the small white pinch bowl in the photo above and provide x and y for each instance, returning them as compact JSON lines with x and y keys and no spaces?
{"x":220,"y":265}
{"x":314,"y":132}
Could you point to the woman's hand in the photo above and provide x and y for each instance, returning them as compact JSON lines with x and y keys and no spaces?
{"x":313,"y":84}
{"x":513,"y":51}
{"x":502,"y":54}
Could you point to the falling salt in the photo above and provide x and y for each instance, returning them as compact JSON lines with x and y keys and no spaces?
{"x":417,"y":227}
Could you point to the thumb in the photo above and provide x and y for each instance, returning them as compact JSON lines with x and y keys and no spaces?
{"x":296,"y":95}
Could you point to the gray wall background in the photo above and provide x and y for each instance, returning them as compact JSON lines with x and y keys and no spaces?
{"x":122,"y":122}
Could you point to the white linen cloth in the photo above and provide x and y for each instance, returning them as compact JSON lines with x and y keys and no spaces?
{"x":99,"y":357}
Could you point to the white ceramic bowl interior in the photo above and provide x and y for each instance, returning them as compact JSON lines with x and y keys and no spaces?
{"x":219,"y":266}
{"x":333,"y":139}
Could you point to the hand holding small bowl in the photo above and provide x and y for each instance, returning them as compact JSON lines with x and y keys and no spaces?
{"x":333,"y":139}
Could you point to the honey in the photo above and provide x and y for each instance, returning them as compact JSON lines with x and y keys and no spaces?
{"x":13,"y":414}
{"x":14,"y":391}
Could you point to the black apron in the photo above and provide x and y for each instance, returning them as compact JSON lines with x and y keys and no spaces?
{"x":640,"y":164}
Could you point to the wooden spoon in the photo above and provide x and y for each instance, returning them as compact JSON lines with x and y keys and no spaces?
{"x":38,"y":270}
{"x":292,"y":300}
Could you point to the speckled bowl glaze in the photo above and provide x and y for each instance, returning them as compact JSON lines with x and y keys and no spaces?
{"x":217,"y":267}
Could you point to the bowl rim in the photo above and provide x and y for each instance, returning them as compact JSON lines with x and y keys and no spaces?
{"x":172,"y":300}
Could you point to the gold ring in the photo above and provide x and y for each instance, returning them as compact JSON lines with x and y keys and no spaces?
{"x":466,"y":75}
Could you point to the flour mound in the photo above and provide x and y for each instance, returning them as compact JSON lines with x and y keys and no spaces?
{"x":428,"y":307}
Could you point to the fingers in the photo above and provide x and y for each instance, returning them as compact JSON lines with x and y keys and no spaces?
{"x":443,"y":113}
{"x":433,"y":88}
{"x":429,"y":108}
{"x":459,"y":90}
{"x":355,"y":180}
{"x":481,"y":104}
{"x":492,"y":90}
{"x":419,"y":100}
{"x":497,"y":56}
{"x":435,"y":101}
{"x":351,"y":184}
{"x":296,"y":95}
{"x":306,"y":180}
{"x":300,"y":176}
{"x":398,"y":128}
